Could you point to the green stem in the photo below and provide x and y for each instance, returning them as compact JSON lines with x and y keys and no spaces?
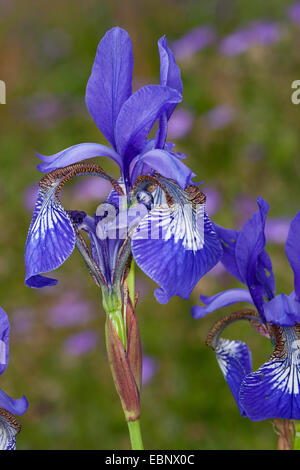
{"x":296,"y":445}
{"x":112,"y":305}
{"x":135,"y":435}
{"x":131,"y":281}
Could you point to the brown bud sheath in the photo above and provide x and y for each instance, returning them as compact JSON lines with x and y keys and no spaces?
{"x":134,"y":348}
{"x":122,"y":374}
{"x":286,"y":430}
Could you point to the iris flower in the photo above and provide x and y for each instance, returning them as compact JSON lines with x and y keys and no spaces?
{"x":273,"y":391}
{"x":9,"y":425}
{"x":167,"y":231}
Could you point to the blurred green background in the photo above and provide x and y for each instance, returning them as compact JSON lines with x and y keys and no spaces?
{"x":240,"y":132}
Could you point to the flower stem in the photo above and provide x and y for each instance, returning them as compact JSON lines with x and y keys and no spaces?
{"x":135,"y":435}
{"x":296,"y":444}
{"x":131,"y":281}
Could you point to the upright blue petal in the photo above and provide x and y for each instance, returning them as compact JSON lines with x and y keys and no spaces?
{"x":273,"y":391}
{"x":109,"y":85}
{"x":4,"y":340}
{"x":223,"y":299}
{"x":251,"y":242}
{"x":51,"y":238}
{"x":169,"y":71}
{"x":228,"y":239}
{"x":292,"y":250}
{"x":246,"y":259}
{"x":176,"y":245}
{"x":138,"y":115}
{"x":75,"y":154}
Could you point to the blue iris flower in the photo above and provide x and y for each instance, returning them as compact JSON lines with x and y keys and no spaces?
{"x":273,"y":391}
{"x":9,"y":426}
{"x":172,"y":240}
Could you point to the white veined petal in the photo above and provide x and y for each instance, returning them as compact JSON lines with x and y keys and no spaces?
{"x":9,"y":428}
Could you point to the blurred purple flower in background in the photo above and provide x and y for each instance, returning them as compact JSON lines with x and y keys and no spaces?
{"x":277,"y":229}
{"x":29,"y":196}
{"x":91,"y":189}
{"x":294,"y":13}
{"x":180,"y":124}
{"x":80,"y":343}
{"x":150,"y":368}
{"x":22,"y":321}
{"x":193,"y":41}
{"x":219,"y":117}
{"x":56,"y":44}
{"x":254,"y":151}
{"x":256,"y":33}
{"x":69,"y":310}
{"x":244,"y":205}
{"x":43,"y":109}
{"x":213,"y":200}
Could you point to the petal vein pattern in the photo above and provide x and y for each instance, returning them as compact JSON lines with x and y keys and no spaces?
{"x":51,"y":238}
{"x":175,"y":244}
{"x":9,"y":428}
{"x":273,"y":390}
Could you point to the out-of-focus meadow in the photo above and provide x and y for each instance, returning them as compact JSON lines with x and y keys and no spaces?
{"x":240,"y":132}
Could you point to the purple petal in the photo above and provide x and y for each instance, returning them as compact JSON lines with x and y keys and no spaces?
{"x":175,"y":247}
{"x":139,"y":113}
{"x":228,"y":238}
{"x":75,"y":154}
{"x":16,"y":407}
{"x":273,"y":391}
{"x":282,"y":310}
{"x":9,"y":428}
{"x":234,"y":359}
{"x":250,"y":245}
{"x":165,"y":163}
{"x":109,"y":85}
{"x":223,"y":299}
{"x":50,"y":241}
{"x":169,"y":70}
{"x":4,"y":340}
{"x":292,"y":250}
